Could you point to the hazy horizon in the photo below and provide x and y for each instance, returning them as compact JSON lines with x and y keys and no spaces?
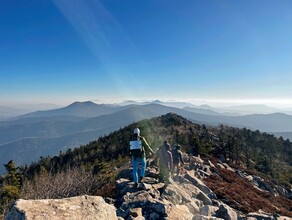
{"x":275,"y":104}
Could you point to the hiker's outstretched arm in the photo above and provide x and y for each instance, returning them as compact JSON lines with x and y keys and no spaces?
{"x":147,"y":145}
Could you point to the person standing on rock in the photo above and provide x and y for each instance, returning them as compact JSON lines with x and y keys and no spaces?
{"x":165,"y":162}
{"x":177,"y":159}
{"x":138,"y":155}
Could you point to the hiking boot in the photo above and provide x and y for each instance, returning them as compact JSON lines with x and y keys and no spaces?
{"x":136,"y":185}
{"x":141,"y":179}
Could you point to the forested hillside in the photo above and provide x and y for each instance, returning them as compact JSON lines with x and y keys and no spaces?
{"x":93,"y":167}
{"x":45,"y":133}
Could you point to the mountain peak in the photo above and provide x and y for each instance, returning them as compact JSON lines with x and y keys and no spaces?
{"x":86,"y":103}
{"x":173,"y":119}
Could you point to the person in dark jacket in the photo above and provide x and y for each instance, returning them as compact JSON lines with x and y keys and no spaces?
{"x":138,"y":155}
{"x":165,"y":162}
{"x":177,"y":159}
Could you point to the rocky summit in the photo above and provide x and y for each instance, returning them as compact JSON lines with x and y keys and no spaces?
{"x":185,"y":197}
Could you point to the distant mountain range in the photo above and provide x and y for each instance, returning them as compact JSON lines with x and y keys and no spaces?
{"x":285,"y":135}
{"x":228,"y":110}
{"x":7,"y":112}
{"x":27,"y":137}
{"x":77,"y":109}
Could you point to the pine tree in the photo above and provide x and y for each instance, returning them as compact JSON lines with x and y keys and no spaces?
{"x":11,"y":186}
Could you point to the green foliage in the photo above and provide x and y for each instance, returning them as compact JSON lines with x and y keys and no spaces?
{"x":242,"y":146}
{"x":10,"y":186}
{"x":13,"y":176}
{"x":8,"y":192}
{"x":254,"y":149}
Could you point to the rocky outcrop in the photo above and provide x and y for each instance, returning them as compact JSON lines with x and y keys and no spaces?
{"x":261,"y":184}
{"x":186,"y":197}
{"x":75,"y":208}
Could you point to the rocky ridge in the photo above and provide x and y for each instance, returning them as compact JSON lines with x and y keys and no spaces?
{"x":186,"y":197}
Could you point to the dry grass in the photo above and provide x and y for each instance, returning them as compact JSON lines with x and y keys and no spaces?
{"x":242,"y":195}
{"x":73,"y":182}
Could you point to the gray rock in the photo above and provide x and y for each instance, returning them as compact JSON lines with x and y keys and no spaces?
{"x":207,"y":169}
{"x":193,"y":207}
{"x":208,"y":210}
{"x":145,"y":186}
{"x":220,"y":166}
{"x":196,"y":160}
{"x":152,"y":172}
{"x":150,"y":189}
{"x":262,"y":184}
{"x":282,"y":191}
{"x":136,"y":199}
{"x":198,"y":183}
{"x":259,"y":215}
{"x":80,"y":207}
{"x":150,"y":180}
{"x":198,"y":202}
{"x":226,"y":213}
{"x":124,"y":186}
{"x":176,"y":194}
{"x":190,"y":189}
{"x":249,"y":178}
{"x":211,"y":164}
{"x":204,"y":198}
{"x":179,"y":212}
{"x":228,"y":167}
{"x":122,"y":183}
{"x":161,"y":207}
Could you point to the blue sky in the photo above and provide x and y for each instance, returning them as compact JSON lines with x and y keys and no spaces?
{"x":221,"y":51}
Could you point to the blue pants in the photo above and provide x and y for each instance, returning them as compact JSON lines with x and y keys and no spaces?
{"x":135,"y":163}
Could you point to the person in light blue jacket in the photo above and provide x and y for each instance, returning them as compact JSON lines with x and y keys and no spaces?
{"x":138,"y":155}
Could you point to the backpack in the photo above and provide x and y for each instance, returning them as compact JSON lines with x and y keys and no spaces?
{"x":175,"y":156}
{"x":136,"y":149}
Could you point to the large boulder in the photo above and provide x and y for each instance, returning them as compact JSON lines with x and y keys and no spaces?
{"x":227,"y":213}
{"x":208,"y":210}
{"x":74,"y":208}
{"x":193,"y":207}
{"x":198,"y":183}
{"x":204,"y":198}
{"x":137,"y":199}
{"x":179,"y":212}
{"x":262,"y":184}
{"x":259,"y":215}
{"x":176,"y":194}
{"x":161,"y":207}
